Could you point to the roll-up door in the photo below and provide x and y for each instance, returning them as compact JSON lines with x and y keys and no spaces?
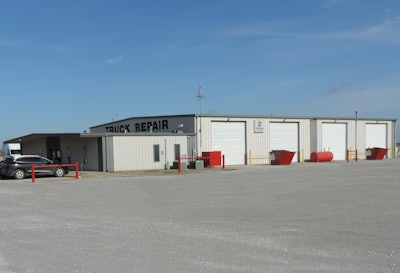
{"x":285,"y":136}
{"x":376,"y":136}
{"x":229,"y":138}
{"x":334,"y":139}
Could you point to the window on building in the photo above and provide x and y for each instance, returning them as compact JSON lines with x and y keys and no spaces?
{"x":156,"y":152}
{"x":177,"y":149}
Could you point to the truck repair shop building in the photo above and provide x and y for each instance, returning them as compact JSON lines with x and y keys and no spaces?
{"x":155,"y":142}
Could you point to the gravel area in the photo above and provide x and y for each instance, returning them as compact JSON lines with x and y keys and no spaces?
{"x":305,"y":217}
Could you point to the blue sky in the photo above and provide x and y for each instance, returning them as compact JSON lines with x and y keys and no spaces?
{"x":67,"y":65}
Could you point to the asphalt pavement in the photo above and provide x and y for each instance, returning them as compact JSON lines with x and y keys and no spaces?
{"x":305,"y":217}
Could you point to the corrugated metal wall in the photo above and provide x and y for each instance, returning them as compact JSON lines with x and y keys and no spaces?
{"x":310,"y":135}
{"x":257,"y":139}
{"x":356,"y":137}
{"x":136,"y":153}
{"x":118,"y":152}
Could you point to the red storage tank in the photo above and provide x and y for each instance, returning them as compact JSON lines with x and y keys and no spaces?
{"x":212,"y":159}
{"x":321,"y":156}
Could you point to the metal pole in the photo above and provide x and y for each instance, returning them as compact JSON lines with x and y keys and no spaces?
{"x":33,"y":173}
{"x":356,"y":135}
{"x":76,"y":170}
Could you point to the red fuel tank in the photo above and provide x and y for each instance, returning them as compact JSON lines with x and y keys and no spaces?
{"x":321,"y":156}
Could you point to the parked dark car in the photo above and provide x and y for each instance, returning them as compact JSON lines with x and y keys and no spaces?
{"x":21,"y":166}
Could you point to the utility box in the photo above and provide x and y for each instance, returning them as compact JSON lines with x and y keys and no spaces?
{"x":281,"y":157}
{"x":184,"y":165}
{"x":376,"y":153}
{"x":198,"y":164}
{"x":212,"y":159}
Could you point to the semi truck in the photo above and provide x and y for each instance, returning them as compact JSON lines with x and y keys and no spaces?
{"x":11,"y":149}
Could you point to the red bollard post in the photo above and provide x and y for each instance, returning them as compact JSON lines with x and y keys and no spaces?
{"x":33,"y":173}
{"x":356,"y":155}
{"x":179,"y":165}
{"x":76,"y":170}
{"x":223,"y":161}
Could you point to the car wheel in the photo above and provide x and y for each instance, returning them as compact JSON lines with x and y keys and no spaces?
{"x":19,"y":174}
{"x":59,"y":172}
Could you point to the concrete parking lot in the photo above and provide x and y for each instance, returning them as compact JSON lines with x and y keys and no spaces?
{"x":306,"y":217}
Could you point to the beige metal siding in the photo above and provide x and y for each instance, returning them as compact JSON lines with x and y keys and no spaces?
{"x":304,"y":139}
{"x":356,"y":135}
{"x":257,"y":143}
{"x":136,"y":153}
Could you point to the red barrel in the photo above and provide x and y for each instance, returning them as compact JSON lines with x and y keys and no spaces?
{"x":321,"y":156}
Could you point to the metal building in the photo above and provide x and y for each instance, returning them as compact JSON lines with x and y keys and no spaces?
{"x":155,"y":142}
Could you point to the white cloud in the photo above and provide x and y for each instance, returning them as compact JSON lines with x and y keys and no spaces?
{"x":57,"y":48}
{"x":263,"y":29}
{"x":115,"y":60}
{"x":10,"y":43}
{"x":19,"y":44}
{"x":385,"y":32}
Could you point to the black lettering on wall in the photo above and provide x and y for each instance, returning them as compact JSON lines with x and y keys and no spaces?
{"x":148,"y":126}
{"x":155,"y":126}
{"x":165,"y":124}
{"x":120,"y":128}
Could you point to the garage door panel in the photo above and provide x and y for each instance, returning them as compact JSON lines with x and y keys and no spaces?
{"x":376,"y":135}
{"x":334,"y":139}
{"x":284,"y":136}
{"x":229,"y":138}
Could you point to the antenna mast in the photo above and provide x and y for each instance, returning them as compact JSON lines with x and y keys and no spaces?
{"x":200,"y":95}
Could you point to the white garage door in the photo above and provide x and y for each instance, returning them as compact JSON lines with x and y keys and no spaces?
{"x":229,"y":138}
{"x":284,"y":136}
{"x":376,"y":135}
{"x":334,"y":139}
